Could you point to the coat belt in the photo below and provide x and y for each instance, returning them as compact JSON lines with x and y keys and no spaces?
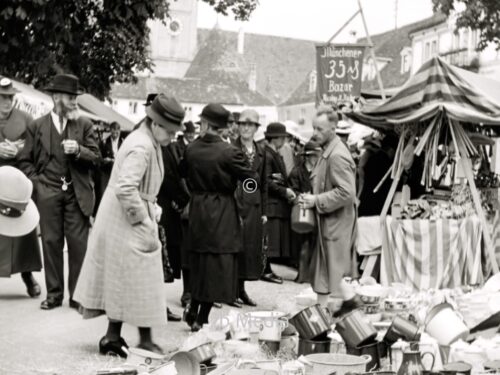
{"x":147,"y":197}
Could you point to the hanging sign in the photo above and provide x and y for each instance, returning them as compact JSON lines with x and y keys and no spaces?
{"x":339,"y":71}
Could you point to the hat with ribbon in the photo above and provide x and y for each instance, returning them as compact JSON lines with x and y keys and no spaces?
{"x":167,"y":112}
{"x":216,"y":115}
{"x":249,"y":116}
{"x":343,"y":128}
{"x":18,"y":213}
{"x":6,"y":87}
{"x":66,"y":84}
{"x":275,"y":130}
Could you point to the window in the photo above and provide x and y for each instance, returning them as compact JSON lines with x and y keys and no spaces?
{"x":132,"y":108}
{"x":427,"y":51}
{"x":456,"y":40}
{"x":287,"y":114}
{"x":313,"y":77}
{"x":465,"y":39}
{"x":406,"y":56}
{"x":434,"y":48}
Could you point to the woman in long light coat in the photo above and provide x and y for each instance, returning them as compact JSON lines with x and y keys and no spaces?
{"x":122,"y":275}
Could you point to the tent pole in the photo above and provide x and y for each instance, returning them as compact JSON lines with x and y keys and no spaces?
{"x":379,"y":79}
{"x":343,"y":27}
{"x":467,"y":167}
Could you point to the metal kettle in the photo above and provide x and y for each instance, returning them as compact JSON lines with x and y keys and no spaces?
{"x":303,"y":219}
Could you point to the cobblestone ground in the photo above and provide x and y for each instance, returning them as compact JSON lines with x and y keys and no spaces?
{"x":60,"y":342}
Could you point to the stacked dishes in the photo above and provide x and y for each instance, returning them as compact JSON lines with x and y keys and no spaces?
{"x":371,"y":295}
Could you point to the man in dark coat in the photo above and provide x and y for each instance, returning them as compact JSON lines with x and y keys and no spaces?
{"x":278,"y":203}
{"x":17,"y":254}
{"x":212,"y":169}
{"x":60,"y":151}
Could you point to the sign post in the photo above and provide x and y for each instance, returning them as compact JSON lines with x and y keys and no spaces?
{"x":340,"y":69}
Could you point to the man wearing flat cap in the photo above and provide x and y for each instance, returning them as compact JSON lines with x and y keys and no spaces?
{"x":122,"y":275}
{"x":60,"y":153}
{"x":19,"y":254}
{"x":212,"y":169}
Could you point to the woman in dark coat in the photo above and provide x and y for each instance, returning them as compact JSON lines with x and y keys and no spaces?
{"x":17,"y":254}
{"x":251,"y":201}
{"x":300,"y":182}
{"x":278,"y":202}
{"x":212,"y":169}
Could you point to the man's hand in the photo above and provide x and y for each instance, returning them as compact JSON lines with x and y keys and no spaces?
{"x":307,"y":200}
{"x":109,"y":160}
{"x":290,"y":194}
{"x":70,"y":147}
{"x":264,"y":219}
{"x":8,"y":150}
{"x":158,"y":212}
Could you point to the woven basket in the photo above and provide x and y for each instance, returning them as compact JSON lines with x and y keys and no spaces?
{"x":338,"y":364}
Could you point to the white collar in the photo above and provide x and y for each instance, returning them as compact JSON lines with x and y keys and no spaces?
{"x":55,"y":119}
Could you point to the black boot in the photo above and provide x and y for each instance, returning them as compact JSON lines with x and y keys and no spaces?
{"x":32,"y":287}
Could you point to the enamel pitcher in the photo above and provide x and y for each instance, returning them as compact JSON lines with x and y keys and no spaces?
{"x":412,"y":363}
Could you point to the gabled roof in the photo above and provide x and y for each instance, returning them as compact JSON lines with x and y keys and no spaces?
{"x":280,"y":63}
{"x":221,"y":87}
{"x":388,"y":46}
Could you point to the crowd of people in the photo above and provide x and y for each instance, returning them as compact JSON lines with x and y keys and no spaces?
{"x":211,"y":208}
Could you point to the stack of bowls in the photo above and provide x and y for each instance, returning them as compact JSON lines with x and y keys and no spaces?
{"x":313,"y":325}
{"x":371,"y":295}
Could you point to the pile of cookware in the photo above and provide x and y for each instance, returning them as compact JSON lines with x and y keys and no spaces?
{"x":313,"y":325}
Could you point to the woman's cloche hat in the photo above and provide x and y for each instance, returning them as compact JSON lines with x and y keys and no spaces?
{"x":18,"y":213}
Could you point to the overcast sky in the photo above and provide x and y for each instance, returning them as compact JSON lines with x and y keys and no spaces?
{"x":318,"y":20}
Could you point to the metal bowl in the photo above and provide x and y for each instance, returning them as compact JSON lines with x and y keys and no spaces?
{"x":203,"y":353}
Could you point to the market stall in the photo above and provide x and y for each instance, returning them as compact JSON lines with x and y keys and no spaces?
{"x":435,"y":114}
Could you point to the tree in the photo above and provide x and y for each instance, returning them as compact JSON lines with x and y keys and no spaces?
{"x":100,"y":41}
{"x":481,"y":15}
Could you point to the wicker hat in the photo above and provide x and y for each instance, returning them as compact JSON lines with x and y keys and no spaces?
{"x":6,"y":87}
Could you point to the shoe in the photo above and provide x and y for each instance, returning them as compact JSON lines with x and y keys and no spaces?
{"x":235,"y":304}
{"x":171,"y":317}
{"x":32,"y":287}
{"x":348,"y":306}
{"x":73,"y":304}
{"x":50,"y":304}
{"x":246,"y":299}
{"x":188,"y":316}
{"x":272,"y":278}
{"x":196,"y":327}
{"x":117,"y":348}
{"x":217,"y":305}
{"x":185,"y":299}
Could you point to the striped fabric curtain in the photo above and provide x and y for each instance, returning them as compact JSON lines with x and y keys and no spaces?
{"x":426,"y":254}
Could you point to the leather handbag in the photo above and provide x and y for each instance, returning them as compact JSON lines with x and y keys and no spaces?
{"x":168,"y":272}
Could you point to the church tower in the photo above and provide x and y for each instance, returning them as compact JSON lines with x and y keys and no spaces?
{"x":173,"y":45}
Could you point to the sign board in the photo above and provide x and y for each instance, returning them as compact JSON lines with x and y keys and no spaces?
{"x":339,"y":71}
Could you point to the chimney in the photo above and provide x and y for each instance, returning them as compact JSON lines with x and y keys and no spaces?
{"x":252,"y":78}
{"x":241,"y":41}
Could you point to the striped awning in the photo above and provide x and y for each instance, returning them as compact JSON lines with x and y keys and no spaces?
{"x":438,"y":87}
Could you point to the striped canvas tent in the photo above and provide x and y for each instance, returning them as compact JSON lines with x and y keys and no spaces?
{"x":438,"y":87}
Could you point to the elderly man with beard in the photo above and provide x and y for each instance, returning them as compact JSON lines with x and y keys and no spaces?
{"x":60,"y":151}
{"x":334,"y":199}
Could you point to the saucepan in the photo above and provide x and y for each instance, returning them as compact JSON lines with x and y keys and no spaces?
{"x":355,"y":330}
{"x":203,"y":353}
{"x":311,"y":322}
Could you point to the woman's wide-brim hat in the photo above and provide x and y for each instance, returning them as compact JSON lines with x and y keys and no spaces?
{"x":6,"y":87}
{"x":18,"y":213}
{"x":66,"y":84}
{"x":167,"y":112}
{"x":276,"y":130}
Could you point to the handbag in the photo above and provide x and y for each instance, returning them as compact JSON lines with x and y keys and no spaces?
{"x":168,"y":272}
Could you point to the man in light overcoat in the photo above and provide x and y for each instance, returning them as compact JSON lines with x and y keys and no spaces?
{"x":334,"y":199}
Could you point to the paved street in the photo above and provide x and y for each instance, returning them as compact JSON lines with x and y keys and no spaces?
{"x":60,"y":342}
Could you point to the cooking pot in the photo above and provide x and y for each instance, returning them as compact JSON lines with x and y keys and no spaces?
{"x":456,"y":368}
{"x":303,"y":219}
{"x":339,"y":364}
{"x":356,"y":330}
{"x":203,"y":353}
{"x":445,"y":325}
{"x":373,"y":350}
{"x":311,"y":322}
{"x":186,"y":363}
{"x":401,"y":329}
{"x":270,"y":329}
{"x":314,"y":346}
